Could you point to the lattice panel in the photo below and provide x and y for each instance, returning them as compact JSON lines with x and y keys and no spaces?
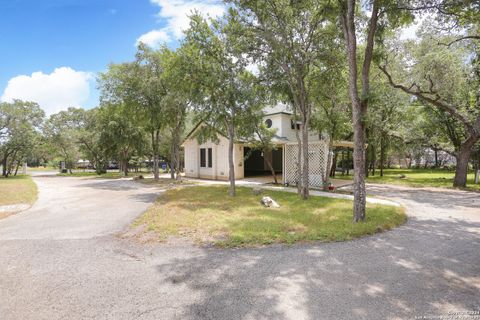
{"x":317,"y":162}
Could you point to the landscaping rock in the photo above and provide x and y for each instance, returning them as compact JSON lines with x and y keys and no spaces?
{"x":140,"y":177}
{"x":269,"y":202}
{"x":402,"y":176}
{"x":257,"y":191}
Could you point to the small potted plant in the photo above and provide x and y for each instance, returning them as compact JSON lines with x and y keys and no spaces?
{"x":326,"y":185}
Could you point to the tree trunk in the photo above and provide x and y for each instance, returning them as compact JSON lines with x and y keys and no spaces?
{"x":435,"y":150}
{"x":334,"y":165}
{"x":373,"y":161}
{"x":463,"y":156}
{"x":304,"y":192}
{"x":155,"y":142}
{"x":270,"y":166}
{"x":382,"y":154}
{"x":299,"y":153}
{"x":326,"y":178}
{"x":172,"y":159}
{"x":359,"y":107}
{"x":125,"y":167}
{"x":348,"y":162}
{"x":16,"y":168}
{"x":231,"y":165}
{"x":4,"y":165}
{"x":177,"y":160}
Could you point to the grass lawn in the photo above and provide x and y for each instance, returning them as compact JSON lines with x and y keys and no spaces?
{"x":418,"y":178}
{"x":165,"y":182}
{"x":206,"y":214}
{"x":17,"y":189}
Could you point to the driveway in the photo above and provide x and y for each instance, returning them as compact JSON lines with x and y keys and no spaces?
{"x":429,"y":267}
{"x":73,"y":208}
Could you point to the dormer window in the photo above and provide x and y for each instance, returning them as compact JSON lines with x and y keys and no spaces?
{"x":268,"y":123}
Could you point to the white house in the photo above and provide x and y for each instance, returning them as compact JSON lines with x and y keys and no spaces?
{"x":209,"y":160}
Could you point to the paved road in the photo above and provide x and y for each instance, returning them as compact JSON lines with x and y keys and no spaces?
{"x":73,"y":208}
{"x":430,"y":266}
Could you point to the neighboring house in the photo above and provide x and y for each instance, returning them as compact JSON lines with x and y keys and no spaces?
{"x":209,"y":160}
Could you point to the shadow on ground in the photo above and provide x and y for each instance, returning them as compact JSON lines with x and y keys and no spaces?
{"x":415,"y":270}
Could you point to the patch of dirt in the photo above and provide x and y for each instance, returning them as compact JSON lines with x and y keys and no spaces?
{"x":8,"y":210}
{"x":140,"y":234}
{"x":3,"y":215}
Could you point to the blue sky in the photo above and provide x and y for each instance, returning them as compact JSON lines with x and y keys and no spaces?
{"x":52,"y":49}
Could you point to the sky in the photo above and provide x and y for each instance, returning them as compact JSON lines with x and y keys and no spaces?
{"x":52,"y":50}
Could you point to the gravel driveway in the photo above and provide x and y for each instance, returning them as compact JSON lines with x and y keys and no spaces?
{"x":61,"y":260}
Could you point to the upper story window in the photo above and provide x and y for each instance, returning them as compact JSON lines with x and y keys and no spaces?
{"x":292,"y":124}
{"x":268,"y":123}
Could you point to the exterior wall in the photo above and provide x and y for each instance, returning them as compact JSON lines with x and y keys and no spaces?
{"x":282,"y":122}
{"x":219,"y":169}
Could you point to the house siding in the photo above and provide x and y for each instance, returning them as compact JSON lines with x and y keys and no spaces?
{"x":219,"y":169}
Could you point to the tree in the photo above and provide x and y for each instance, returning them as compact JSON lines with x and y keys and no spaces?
{"x":263,"y":140}
{"x":383,"y":15}
{"x":62,"y":132}
{"x":226,"y":93}
{"x":20,"y":122}
{"x":287,"y":38}
{"x":389,"y":117}
{"x":139,"y":85}
{"x":444,"y":79}
{"x":331,"y":107}
{"x":90,"y":143}
{"x":121,"y":133}
{"x":179,"y":91}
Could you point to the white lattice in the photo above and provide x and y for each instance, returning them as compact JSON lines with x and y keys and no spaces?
{"x":317,"y":163}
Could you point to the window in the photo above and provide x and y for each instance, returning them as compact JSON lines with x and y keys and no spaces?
{"x":203,"y":162}
{"x":210,"y":157}
{"x":292,"y":123}
{"x":268,"y":123}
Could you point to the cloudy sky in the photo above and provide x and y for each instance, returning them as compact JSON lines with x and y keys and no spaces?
{"x":53,"y":49}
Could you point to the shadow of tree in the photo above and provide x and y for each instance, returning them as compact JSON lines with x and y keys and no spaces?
{"x":428,"y":267}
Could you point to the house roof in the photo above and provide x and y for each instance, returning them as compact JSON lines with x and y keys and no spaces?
{"x":281,"y":112}
{"x":189,"y":135}
{"x":278,"y":108}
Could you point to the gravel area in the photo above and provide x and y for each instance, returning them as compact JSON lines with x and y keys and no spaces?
{"x":61,"y":259}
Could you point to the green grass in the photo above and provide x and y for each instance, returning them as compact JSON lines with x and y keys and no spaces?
{"x":17,"y":189}
{"x":165,"y":182}
{"x":439,"y":178}
{"x":206,"y":214}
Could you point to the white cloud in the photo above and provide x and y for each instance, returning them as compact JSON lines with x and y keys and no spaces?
{"x":154,"y":38}
{"x":175,"y":14}
{"x":57,"y":91}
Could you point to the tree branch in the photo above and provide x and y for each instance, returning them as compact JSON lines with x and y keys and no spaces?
{"x":459,"y":39}
{"x":437,"y":101}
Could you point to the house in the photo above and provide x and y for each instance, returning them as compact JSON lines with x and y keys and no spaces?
{"x":209,"y":160}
